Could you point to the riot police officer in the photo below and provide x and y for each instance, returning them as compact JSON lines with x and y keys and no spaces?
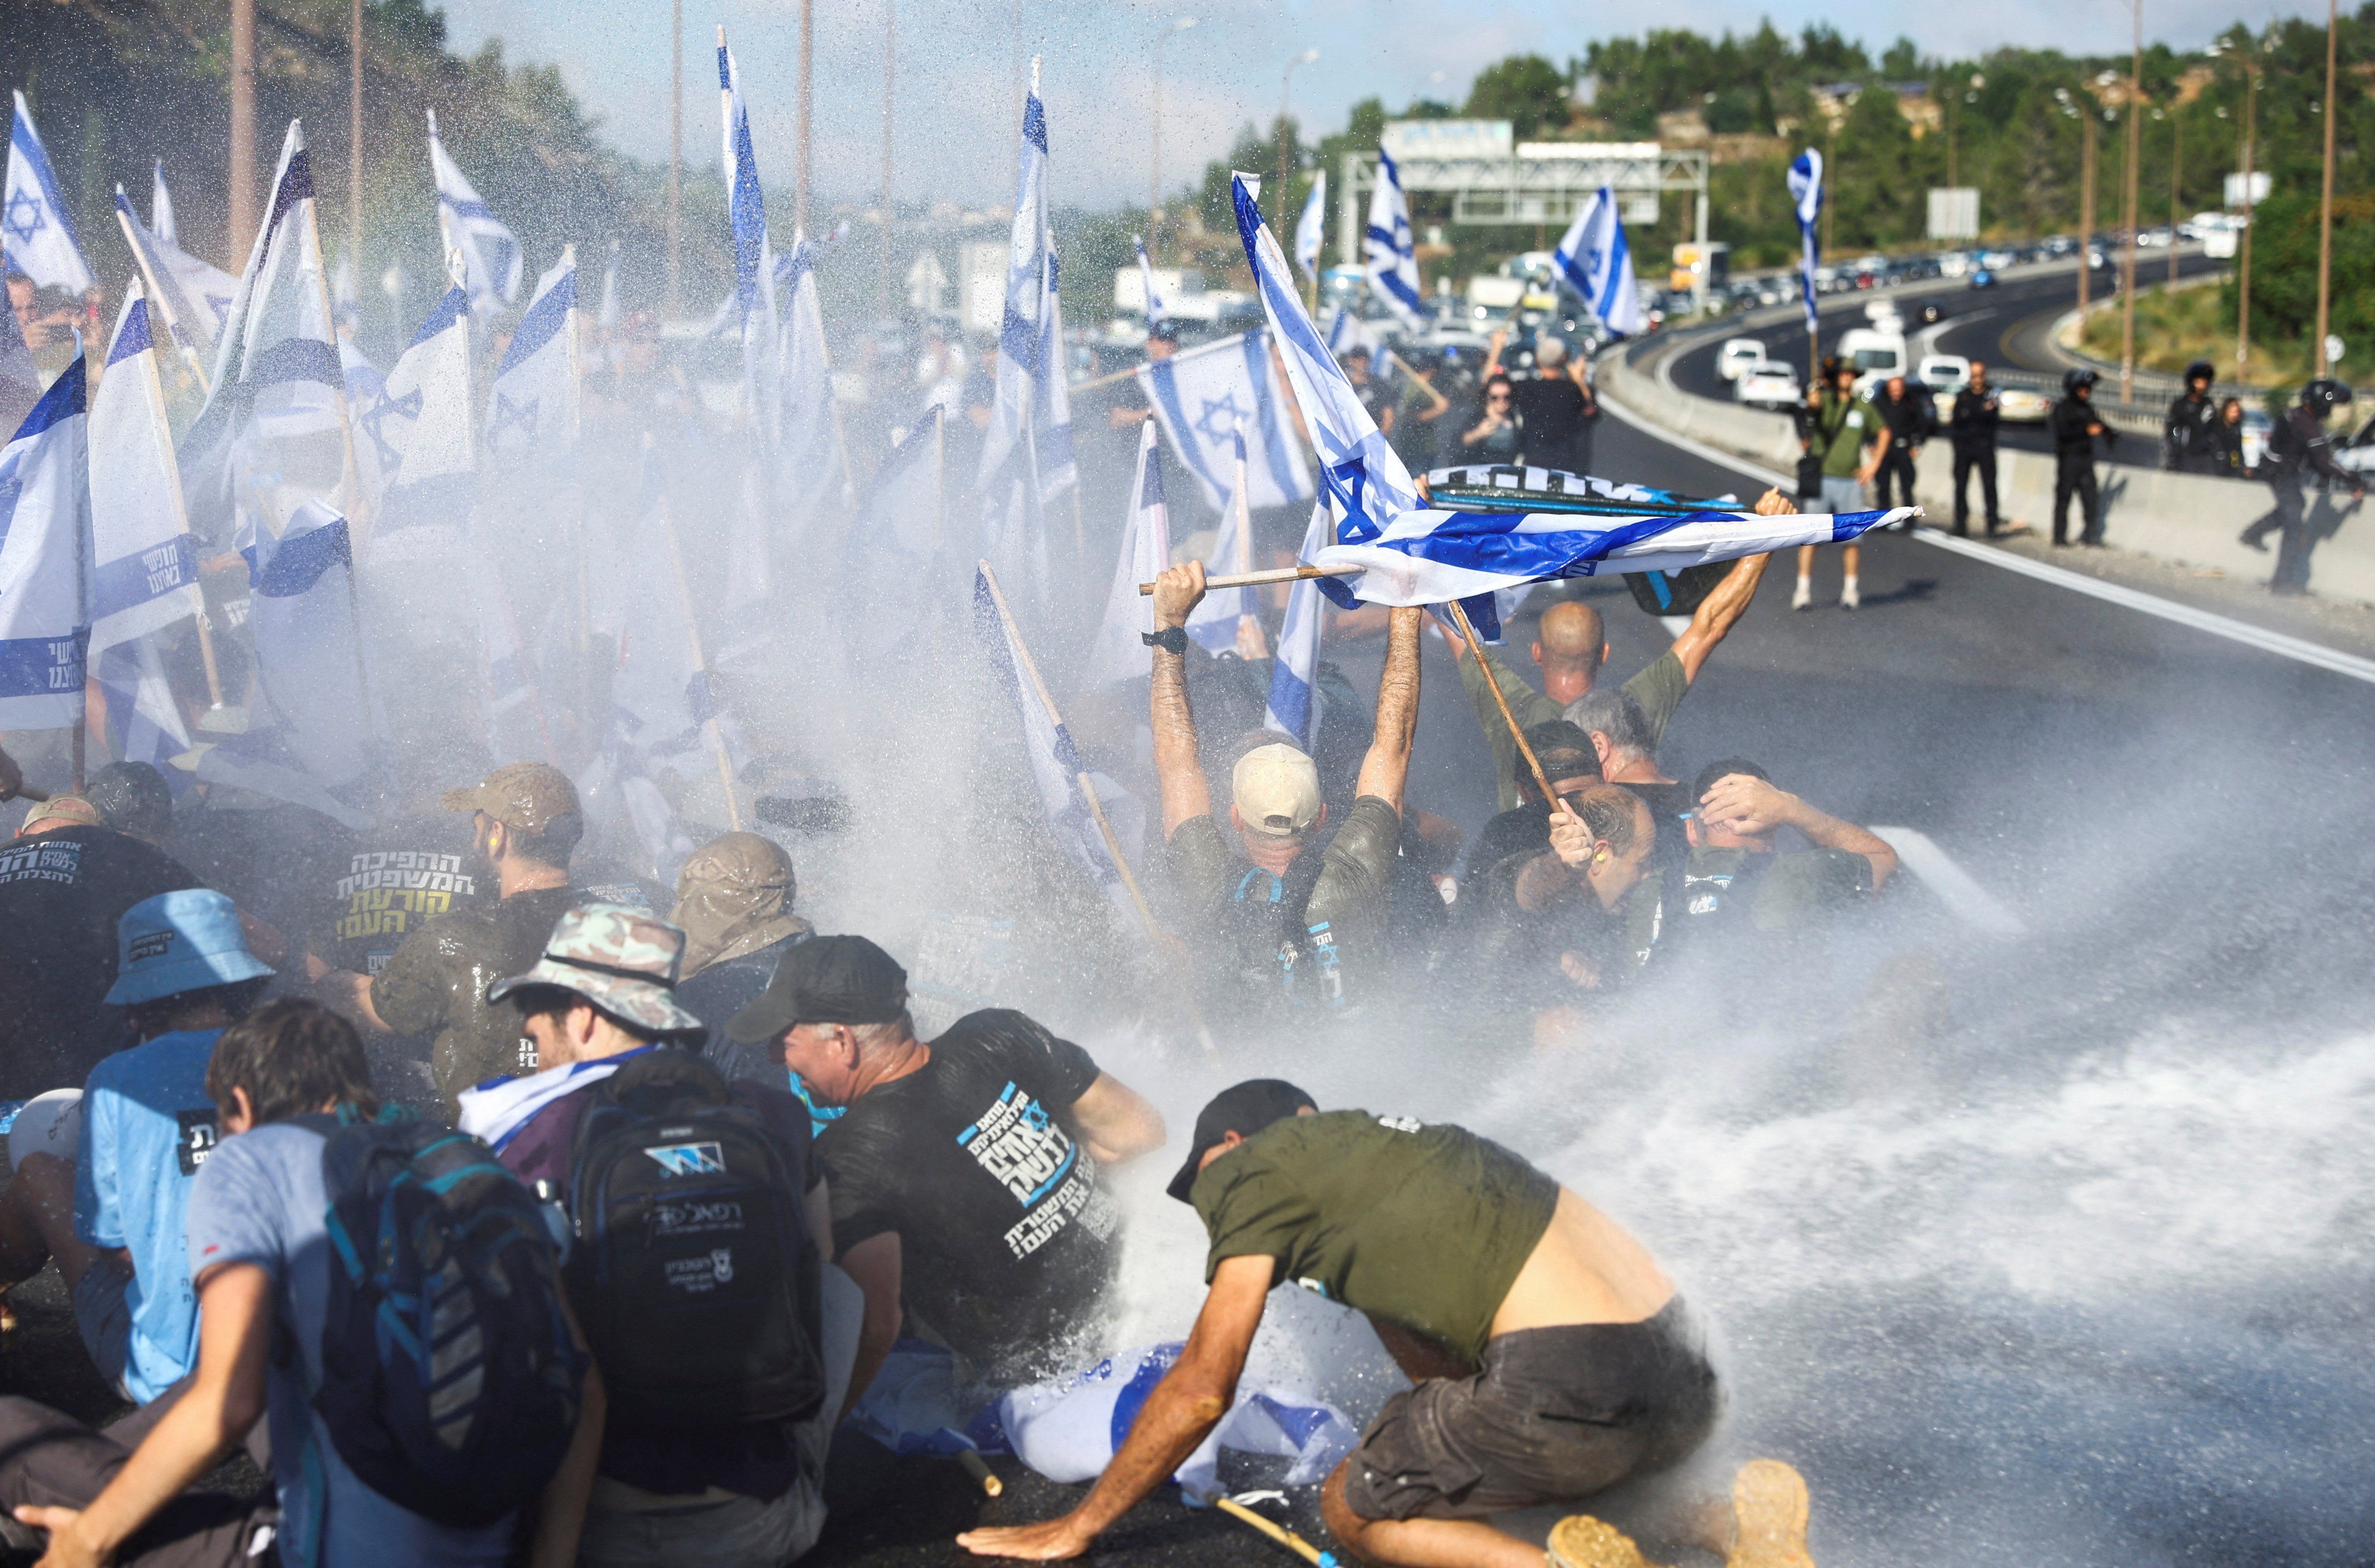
{"x":2074,"y":427}
{"x":1972,"y":429}
{"x":2299,"y":442}
{"x":2190,"y":434}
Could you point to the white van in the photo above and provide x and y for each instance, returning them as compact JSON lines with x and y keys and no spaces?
{"x":1877,"y":356}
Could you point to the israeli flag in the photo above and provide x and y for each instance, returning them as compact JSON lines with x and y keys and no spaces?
{"x":1213,"y":621}
{"x":160,"y":208}
{"x":143,"y":560}
{"x":1199,"y":397}
{"x":1294,"y":665}
{"x":1311,"y":228}
{"x":1391,"y":249}
{"x":278,"y":378}
{"x":44,"y":509}
{"x":34,"y":231}
{"x":1806,"y":196}
{"x":607,"y":316}
{"x":1053,"y":418}
{"x":808,"y":445}
{"x":1365,"y":480}
{"x":1598,"y":265}
{"x":419,"y":426}
{"x":1055,"y":767}
{"x":1117,"y":654}
{"x":755,"y":272}
{"x":1014,"y":521}
{"x":532,"y":407}
{"x":1155,"y":313}
{"x":490,"y":253}
{"x":194,"y":295}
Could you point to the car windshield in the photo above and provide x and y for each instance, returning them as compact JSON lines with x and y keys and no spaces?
{"x":1875,"y":358}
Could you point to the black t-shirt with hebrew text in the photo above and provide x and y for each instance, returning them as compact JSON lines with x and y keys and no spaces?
{"x":1007,"y":1237}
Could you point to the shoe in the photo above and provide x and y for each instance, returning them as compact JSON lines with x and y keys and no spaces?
{"x":1849,"y":598}
{"x":1769,"y":1508}
{"x":1581,"y":1541}
{"x":1802,"y":597}
{"x":2249,"y":542}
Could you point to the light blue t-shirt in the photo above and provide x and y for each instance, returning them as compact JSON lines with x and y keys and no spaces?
{"x":260,"y":1200}
{"x":146,"y":1127}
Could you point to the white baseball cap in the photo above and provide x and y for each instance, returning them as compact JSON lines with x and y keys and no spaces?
{"x":1276,"y":789}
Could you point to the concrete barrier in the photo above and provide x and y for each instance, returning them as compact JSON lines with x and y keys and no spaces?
{"x":2175,"y":517}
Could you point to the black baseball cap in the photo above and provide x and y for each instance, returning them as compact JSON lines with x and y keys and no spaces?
{"x":134,"y":799}
{"x":1714,"y":771}
{"x":1244,"y":1110}
{"x":824,"y":979}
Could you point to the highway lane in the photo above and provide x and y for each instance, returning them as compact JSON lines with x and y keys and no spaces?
{"x":2003,"y":326}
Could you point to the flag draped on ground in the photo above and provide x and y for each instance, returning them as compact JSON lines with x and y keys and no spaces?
{"x":1198,"y":397}
{"x":1311,"y":228}
{"x":1117,"y":654}
{"x":532,"y":408}
{"x":1598,"y":265}
{"x":1391,"y":249}
{"x":1013,"y":532}
{"x":1295,"y":663}
{"x":44,"y":509}
{"x":144,"y":561}
{"x":1806,"y":196}
{"x":35,"y":232}
{"x":490,"y":253}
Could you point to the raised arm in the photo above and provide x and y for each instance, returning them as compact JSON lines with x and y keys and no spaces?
{"x":1746,"y":804}
{"x":1386,"y":767}
{"x":1716,"y":614}
{"x":1177,"y":768}
{"x":1183,"y":1408}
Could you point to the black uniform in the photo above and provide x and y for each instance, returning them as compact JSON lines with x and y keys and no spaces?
{"x":2189,"y":435}
{"x":2297,"y":444}
{"x":1911,"y":420}
{"x":1972,"y":429}
{"x":2073,"y":469}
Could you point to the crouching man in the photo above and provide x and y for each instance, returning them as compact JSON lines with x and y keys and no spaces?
{"x":1553,"y":1357}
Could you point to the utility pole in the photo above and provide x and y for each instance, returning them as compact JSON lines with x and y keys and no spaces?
{"x":355,"y":148}
{"x":2085,"y":211}
{"x":890,"y":64}
{"x":807,"y":69}
{"x":1280,"y":215}
{"x":676,"y":163}
{"x":1154,"y":174}
{"x":2176,"y":182}
{"x":243,"y":134}
{"x":2131,"y":212}
{"x":1830,"y":176}
{"x":2325,"y":201}
{"x":2244,"y":288}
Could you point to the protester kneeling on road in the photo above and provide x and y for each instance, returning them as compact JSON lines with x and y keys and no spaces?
{"x":960,"y":1203}
{"x":114,"y":1218}
{"x":698,"y":1222}
{"x":1738,"y":878}
{"x":1553,"y":1357}
{"x":734,"y":901}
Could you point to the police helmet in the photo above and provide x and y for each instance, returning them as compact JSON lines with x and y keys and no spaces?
{"x":2324,"y":395}
{"x":2072,"y":380}
{"x":2201,"y":370}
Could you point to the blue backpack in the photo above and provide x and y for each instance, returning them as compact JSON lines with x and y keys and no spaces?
{"x":450,"y":1380}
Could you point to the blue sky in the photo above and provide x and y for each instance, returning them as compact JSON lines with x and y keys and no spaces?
{"x":955,"y":128}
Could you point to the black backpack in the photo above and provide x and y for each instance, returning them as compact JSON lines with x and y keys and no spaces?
{"x":1267,"y":944}
{"x":690,"y":1272}
{"x":450,"y":1380}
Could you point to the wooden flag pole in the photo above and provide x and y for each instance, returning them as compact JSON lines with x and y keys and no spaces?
{"x":1476,"y":651}
{"x":1269,"y":575}
{"x":156,"y":296}
{"x":1279,"y":1533}
{"x":692,"y":636}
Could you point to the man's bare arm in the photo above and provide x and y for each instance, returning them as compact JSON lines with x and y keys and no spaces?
{"x":1183,"y":1409}
{"x":1713,"y":620}
{"x":1749,"y":804}
{"x":1116,"y":1122}
{"x":875,"y":1264}
{"x":1385,"y":769}
{"x":1177,"y":768}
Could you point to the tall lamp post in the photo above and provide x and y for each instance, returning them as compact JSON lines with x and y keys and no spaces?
{"x":2128,"y":253}
{"x":2326,"y":202}
{"x":1286,"y":159}
{"x":1155,"y":173}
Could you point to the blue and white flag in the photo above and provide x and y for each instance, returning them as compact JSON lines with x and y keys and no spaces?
{"x":419,"y":427}
{"x":1295,"y":666}
{"x":532,"y":407}
{"x":607,"y":317}
{"x":1052,"y":421}
{"x":160,"y":208}
{"x":1013,"y":530}
{"x":1055,"y":767}
{"x":195,"y":296}
{"x":1214,"y":621}
{"x":1365,"y":480}
{"x":490,"y":253}
{"x":1806,"y":196}
{"x":1311,"y":228}
{"x":1598,"y":265}
{"x":1155,"y":313}
{"x":751,"y":566}
{"x":808,"y":443}
{"x":1198,"y":397}
{"x":1117,"y":654}
{"x":44,"y":511}
{"x":35,"y":232}
{"x":1391,"y":249}
{"x":278,"y":378}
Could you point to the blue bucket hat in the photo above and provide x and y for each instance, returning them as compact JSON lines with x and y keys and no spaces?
{"x":179,"y":942}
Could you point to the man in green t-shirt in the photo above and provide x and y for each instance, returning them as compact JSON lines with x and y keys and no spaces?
{"x":1570,"y":645}
{"x":1847,"y":436}
{"x":1737,"y":879}
{"x":1284,"y":915}
{"x":1553,"y":1357}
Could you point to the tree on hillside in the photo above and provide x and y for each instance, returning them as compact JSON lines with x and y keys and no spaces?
{"x":1525,"y":89}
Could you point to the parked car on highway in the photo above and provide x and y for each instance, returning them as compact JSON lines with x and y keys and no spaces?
{"x":1736,"y":355}
{"x":1876,"y":354}
{"x":2018,"y":405}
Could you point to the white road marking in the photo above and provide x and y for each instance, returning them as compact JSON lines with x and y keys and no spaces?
{"x":2296,"y":648}
{"x":1971,"y":903}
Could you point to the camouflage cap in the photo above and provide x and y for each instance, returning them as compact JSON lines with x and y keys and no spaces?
{"x":61,"y":811}
{"x":524,"y":796}
{"x":623,"y":960}
{"x":734,"y":897}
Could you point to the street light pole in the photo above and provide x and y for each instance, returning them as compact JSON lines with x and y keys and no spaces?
{"x":2086,"y":212}
{"x":2176,"y":182}
{"x":1278,"y":213}
{"x":355,"y":142}
{"x":2128,"y":254}
{"x":2243,"y":288}
{"x":890,"y":64}
{"x":242,"y":133}
{"x":2325,"y":201}
{"x":1155,"y":173}
{"x":676,"y":163}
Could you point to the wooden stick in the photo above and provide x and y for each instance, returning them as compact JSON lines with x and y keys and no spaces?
{"x":978,"y":1469}
{"x":172,"y":323}
{"x":1269,"y":575}
{"x":693,"y":635}
{"x":1476,"y":651}
{"x":1279,"y":1533}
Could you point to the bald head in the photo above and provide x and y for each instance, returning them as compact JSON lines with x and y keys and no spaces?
{"x":1569,"y":646}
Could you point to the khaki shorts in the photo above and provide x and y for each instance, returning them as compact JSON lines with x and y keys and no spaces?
{"x":1553,"y":1415}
